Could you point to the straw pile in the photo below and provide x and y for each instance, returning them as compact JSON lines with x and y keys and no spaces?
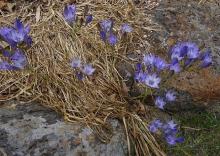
{"x":50,"y":80}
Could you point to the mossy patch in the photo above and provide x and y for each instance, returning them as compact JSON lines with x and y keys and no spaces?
{"x":202,"y":135}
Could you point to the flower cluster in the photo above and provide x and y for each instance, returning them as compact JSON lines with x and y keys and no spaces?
{"x":150,"y":70}
{"x":182,"y":56}
{"x":187,"y":53}
{"x":107,"y":34}
{"x":82,"y":70}
{"x":147,"y":71}
{"x":170,"y":96}
{"x":71,"y":17}
{"x":15,"y":36}
{"x":168,"y":129}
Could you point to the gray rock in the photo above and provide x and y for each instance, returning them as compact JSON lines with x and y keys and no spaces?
{"x":184,"y":102}
{"x":189,"y":21}
{"x":184,"y":20}
{"x":33,"y":130}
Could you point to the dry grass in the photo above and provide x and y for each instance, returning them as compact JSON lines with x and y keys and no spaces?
{"x":50,"y":80}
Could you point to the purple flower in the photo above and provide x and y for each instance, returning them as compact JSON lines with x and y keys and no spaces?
{"x":178,"y":51}
{"x":175,"y":66}
{"x":180,"y":140}
{"x":5,"y":34}
{"x":6,"y":53}
{"x":152,"y":81}
{"x":88,"y":69}
{"x":89,"y":19}
{"x":170,"y":128}
{"x":28,"y":40}
{"x":140,"y":76}
{"x":76,"y":63}
{"x":18,"y":59}
{"x":160,"y":64}
{"x":126,"y":28}
{"x":155,"y":125}
{"x":170,"y":96}
{"x":70,"y":13}
{"x":138,"y":67}
{"x":169,"y":131}
{"x":149,"y":59}
{"x":16,"y":35}
{"x":171,"y":125}
{"x":79,"y":75}
{"x":112,"y":39}
{"x":160,"y":103}
{"x":20,"y":27}
{"x":20,"y":33}
{"x":103,"y":35}
{"x":192,"y":50}
{"x":106,"y":25}
{"x":206,"y":59}
{"x":5,"y":66}
{"x":83,"y":70}
{"x":188,"y":62}
{"x":185,"y":48}
{"x":173,"y":140}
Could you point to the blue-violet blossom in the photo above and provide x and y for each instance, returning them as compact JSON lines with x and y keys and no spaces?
{"x":112,"y":39}
{"x":106,"y":25}
{"x":4,"y":65}
{"x":192,"y":50}
{"x":160,"y":64}
{"x":178,"y":51}
{"x":173,"y":140}
{"x":160,"y":103}
{"x":76,"y":63}
{"x":155,"y":125}
{"x":89,"y":19}
{"x":175,"y":66}
{"x":126,"y":28}
{"x":17,"y":34}
{"x":70,"y":13}
{"x":152,"y":80}
{"x":88,"y":69}
{"x":18,"y":59}
{"x":206,"y":59}
{"x":170,"y":96}
{"x":149,"y":59}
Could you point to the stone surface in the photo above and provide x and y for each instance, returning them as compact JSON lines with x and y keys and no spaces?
{"x":185,"y":20}
{"x":182,"y":20}
{"x":33,"y":130}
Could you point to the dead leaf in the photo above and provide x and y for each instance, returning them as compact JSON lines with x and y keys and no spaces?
{"x":38,"y":14}
{"x":125,"y":89}
{"x":141,"y":109}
